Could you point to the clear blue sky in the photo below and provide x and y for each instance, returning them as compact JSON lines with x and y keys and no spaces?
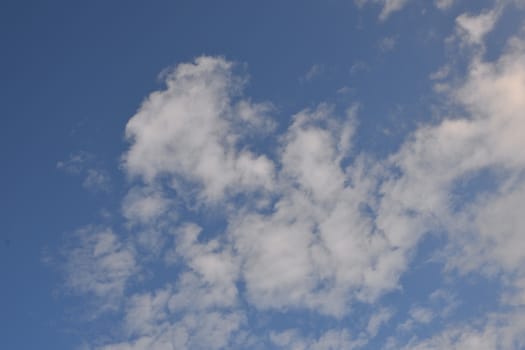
{"x":262,"y":175}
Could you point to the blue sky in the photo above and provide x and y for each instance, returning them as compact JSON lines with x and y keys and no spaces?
{"x":263,"y":175}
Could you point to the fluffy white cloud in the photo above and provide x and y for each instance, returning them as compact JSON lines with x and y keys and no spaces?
{"x":333,"y":227}
{"x":486,"y":230}
{"x":145,"y":312}
{"x":144,"y":204}
{"x":440,"y":157}
{"x":190,"y":133}
{"x":198,"y":311}
{"x":213,"y":272}
{"x":488,"y":141}
{"x":317,"y":249}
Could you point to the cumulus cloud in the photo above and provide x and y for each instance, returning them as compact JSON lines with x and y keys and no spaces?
{"x":332,"y":227}
{"x":485,"y":229}
{"x":190,"y":132}
{"x":198,"y":310}
{"x":311,"y":246}
{"x":317,"y":249}
{"x":485,"y":143}
{"x":213,"y":271}
{"x":144,"y":204}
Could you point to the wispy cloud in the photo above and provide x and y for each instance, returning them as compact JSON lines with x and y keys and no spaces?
{"x":85,"y":164}
{"x":444,"y":4}
{"x":387,"y":44}
{"x":97,"y":263}
{"x":313,"y":72}
{"x":387,"y":6}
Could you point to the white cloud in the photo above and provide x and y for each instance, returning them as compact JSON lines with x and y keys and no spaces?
{"x":145,"y":312}
{"x":75,"y":163}
{"x":213,"y":272}
{"x":97,"y":180}
{"x":421,"y":314}
{"x":85,"y":164}
{"x":492,"y":93}
{"x":271,"y":253}
{"x":316,"y":250}
{"x":193,"y":331}
{"x":98,"y":263}
{"x":377,"y":320}
{"x":190,"y":133}
{"x":336,"y":227}
{"x":313,"y":72}
{"x":144,"y":204}
{"x":495,"y":241}
{"x":198,"y":311}
{"x":496,"y":333}
{"x":443,"y":4}
{"x":443,"y":302}
{"x":472,"y":28}
{"x":387,"y":44}
{"x":442,"y":73}
{"x":485,"y":232}
{"x":359,"y":66}
{"x":388,"y":6}
{"x":438,"y":157}
{"x":418,"y":315}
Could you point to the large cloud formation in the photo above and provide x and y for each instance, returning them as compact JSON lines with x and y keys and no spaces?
{"x":314,"y":225}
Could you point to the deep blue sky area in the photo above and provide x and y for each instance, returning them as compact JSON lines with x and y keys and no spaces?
{"x":73,"y":73}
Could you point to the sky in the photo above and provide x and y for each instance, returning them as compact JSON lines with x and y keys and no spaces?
{"x":305,"y":175}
